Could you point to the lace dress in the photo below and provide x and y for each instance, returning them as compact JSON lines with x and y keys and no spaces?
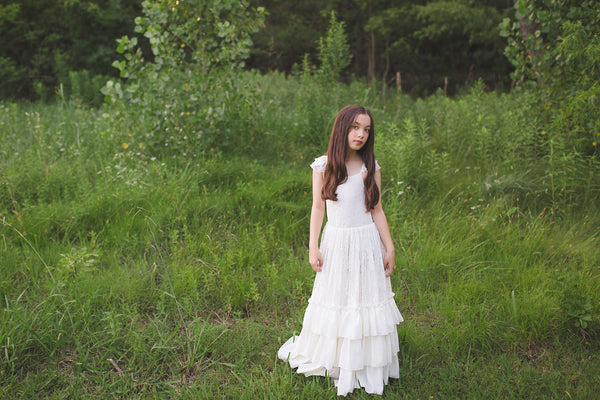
{"x":349,"y":328}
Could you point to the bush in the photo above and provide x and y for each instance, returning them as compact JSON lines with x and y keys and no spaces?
{"x":555,"y":48}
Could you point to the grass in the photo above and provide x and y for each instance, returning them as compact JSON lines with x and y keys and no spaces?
{"x":188,"y":268}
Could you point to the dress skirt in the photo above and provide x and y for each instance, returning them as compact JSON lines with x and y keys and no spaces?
{"x":349,"y":327}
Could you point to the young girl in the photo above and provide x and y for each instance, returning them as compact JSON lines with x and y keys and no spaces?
{"x":349,"y":329}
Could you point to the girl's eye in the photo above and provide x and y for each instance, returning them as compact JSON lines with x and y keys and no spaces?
{"x":355,"y":127}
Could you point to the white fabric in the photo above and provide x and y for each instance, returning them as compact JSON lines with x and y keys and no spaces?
{"x":349,"y":328}
{"x":320,"y":163}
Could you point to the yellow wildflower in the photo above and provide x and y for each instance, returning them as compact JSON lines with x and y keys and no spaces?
{"x":542,"y":133}
{"x":125,"y":145}
{"x":595,"y":144}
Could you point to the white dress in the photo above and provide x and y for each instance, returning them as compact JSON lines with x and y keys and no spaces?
{"x":349,"y":328}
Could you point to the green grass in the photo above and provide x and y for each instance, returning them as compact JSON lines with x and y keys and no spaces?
{"x":188,"y":267}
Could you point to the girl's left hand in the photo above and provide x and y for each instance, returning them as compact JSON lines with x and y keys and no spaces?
{"x":389,"y":264}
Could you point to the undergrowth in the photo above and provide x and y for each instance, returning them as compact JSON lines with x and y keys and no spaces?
{"x":184,"y":262}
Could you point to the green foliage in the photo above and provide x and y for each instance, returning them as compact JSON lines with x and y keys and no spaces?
{"x":44,"y":40}
{"x":188,"y":272}
{"x":186,"y":86}
{"x":434,"y":41}
{"x":197,"y":35}
{"x":11,"y":76}
{"x":555,"y":46}
{"x":77,"y":262}
{"x":291,"y":30}
{"x":334,"y":51}
{"x":426,"y":41}
{"x":83,"y":88}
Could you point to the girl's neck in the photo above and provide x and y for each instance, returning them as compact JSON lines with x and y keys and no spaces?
{"x":352,"y":155}
{"x":353,"y":163}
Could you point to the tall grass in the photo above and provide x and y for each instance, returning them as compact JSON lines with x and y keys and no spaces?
{"x":184,"y":261}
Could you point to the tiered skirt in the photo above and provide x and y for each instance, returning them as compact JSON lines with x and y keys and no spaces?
{"x":349,"y":327}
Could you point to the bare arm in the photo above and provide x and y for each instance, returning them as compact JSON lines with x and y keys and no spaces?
{"x":384,"y":231}
{"x":316,"y":221}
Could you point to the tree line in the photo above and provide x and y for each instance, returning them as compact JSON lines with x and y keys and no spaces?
{"x":47,"y":42}
{"x":426,"y":42}
{"x":67,"y":47}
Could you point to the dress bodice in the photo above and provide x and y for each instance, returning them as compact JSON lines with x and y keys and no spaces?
{"x":349,"y":210}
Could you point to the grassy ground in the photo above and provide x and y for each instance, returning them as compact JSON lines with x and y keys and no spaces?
{"x":188,"y":272}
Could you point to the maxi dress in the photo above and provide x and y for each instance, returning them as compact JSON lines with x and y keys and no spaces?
{"x":349,"y":328}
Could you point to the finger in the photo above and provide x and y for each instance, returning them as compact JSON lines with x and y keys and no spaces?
{"x":388,"y":269}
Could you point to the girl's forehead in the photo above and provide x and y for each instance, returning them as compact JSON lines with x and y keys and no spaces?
{"x":362,"y":119}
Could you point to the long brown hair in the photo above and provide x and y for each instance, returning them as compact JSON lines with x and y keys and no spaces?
{"x":335,"y":171}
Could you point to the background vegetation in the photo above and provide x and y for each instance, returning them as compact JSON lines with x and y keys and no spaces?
{"x":155,"y":246}
{"x":52,"y":47}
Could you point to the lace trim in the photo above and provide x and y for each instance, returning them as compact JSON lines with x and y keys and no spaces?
{"x":320,"y":163}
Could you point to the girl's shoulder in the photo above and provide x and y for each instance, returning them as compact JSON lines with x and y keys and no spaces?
{"x":319,"y":164}
{"x":364,"y":167}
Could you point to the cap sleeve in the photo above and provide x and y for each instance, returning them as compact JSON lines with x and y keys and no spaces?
{"x":319,"y":164}
{"x":364,"y":168}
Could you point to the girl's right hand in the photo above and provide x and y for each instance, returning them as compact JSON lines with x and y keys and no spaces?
{"x":315,"y":259}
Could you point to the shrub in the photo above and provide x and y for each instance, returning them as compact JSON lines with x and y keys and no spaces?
{"x":555,"y":48}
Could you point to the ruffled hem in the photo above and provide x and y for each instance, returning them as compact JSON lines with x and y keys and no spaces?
{"x":351,"y":322}
{"x":367,"y":363}
{"x":355,"y":346}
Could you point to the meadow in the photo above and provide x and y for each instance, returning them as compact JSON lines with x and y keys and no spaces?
{"x":159,"y":250}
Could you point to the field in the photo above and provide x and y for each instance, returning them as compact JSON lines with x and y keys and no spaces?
{"x":160,"y":251}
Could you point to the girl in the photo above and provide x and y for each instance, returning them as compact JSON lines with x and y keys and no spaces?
{"x":349,"y":329}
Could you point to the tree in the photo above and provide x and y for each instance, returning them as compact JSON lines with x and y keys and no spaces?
{"x":428,"y":41}
{"x":334,"y":51}
{"x":189,"y":35}
{"x":43,"y":40}
{"x":554,"y":46}
{"x":184,"y":83}
{"x":292,"y":29}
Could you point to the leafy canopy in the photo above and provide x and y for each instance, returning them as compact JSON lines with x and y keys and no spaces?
{"x":554,"y":46}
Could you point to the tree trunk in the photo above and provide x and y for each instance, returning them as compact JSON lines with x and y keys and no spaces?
{"x":371,"y":56}
{"x":387,"y":61}
{"x":371,"y":68}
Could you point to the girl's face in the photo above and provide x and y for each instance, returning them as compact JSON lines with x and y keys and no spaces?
{"x":359,"y":132}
